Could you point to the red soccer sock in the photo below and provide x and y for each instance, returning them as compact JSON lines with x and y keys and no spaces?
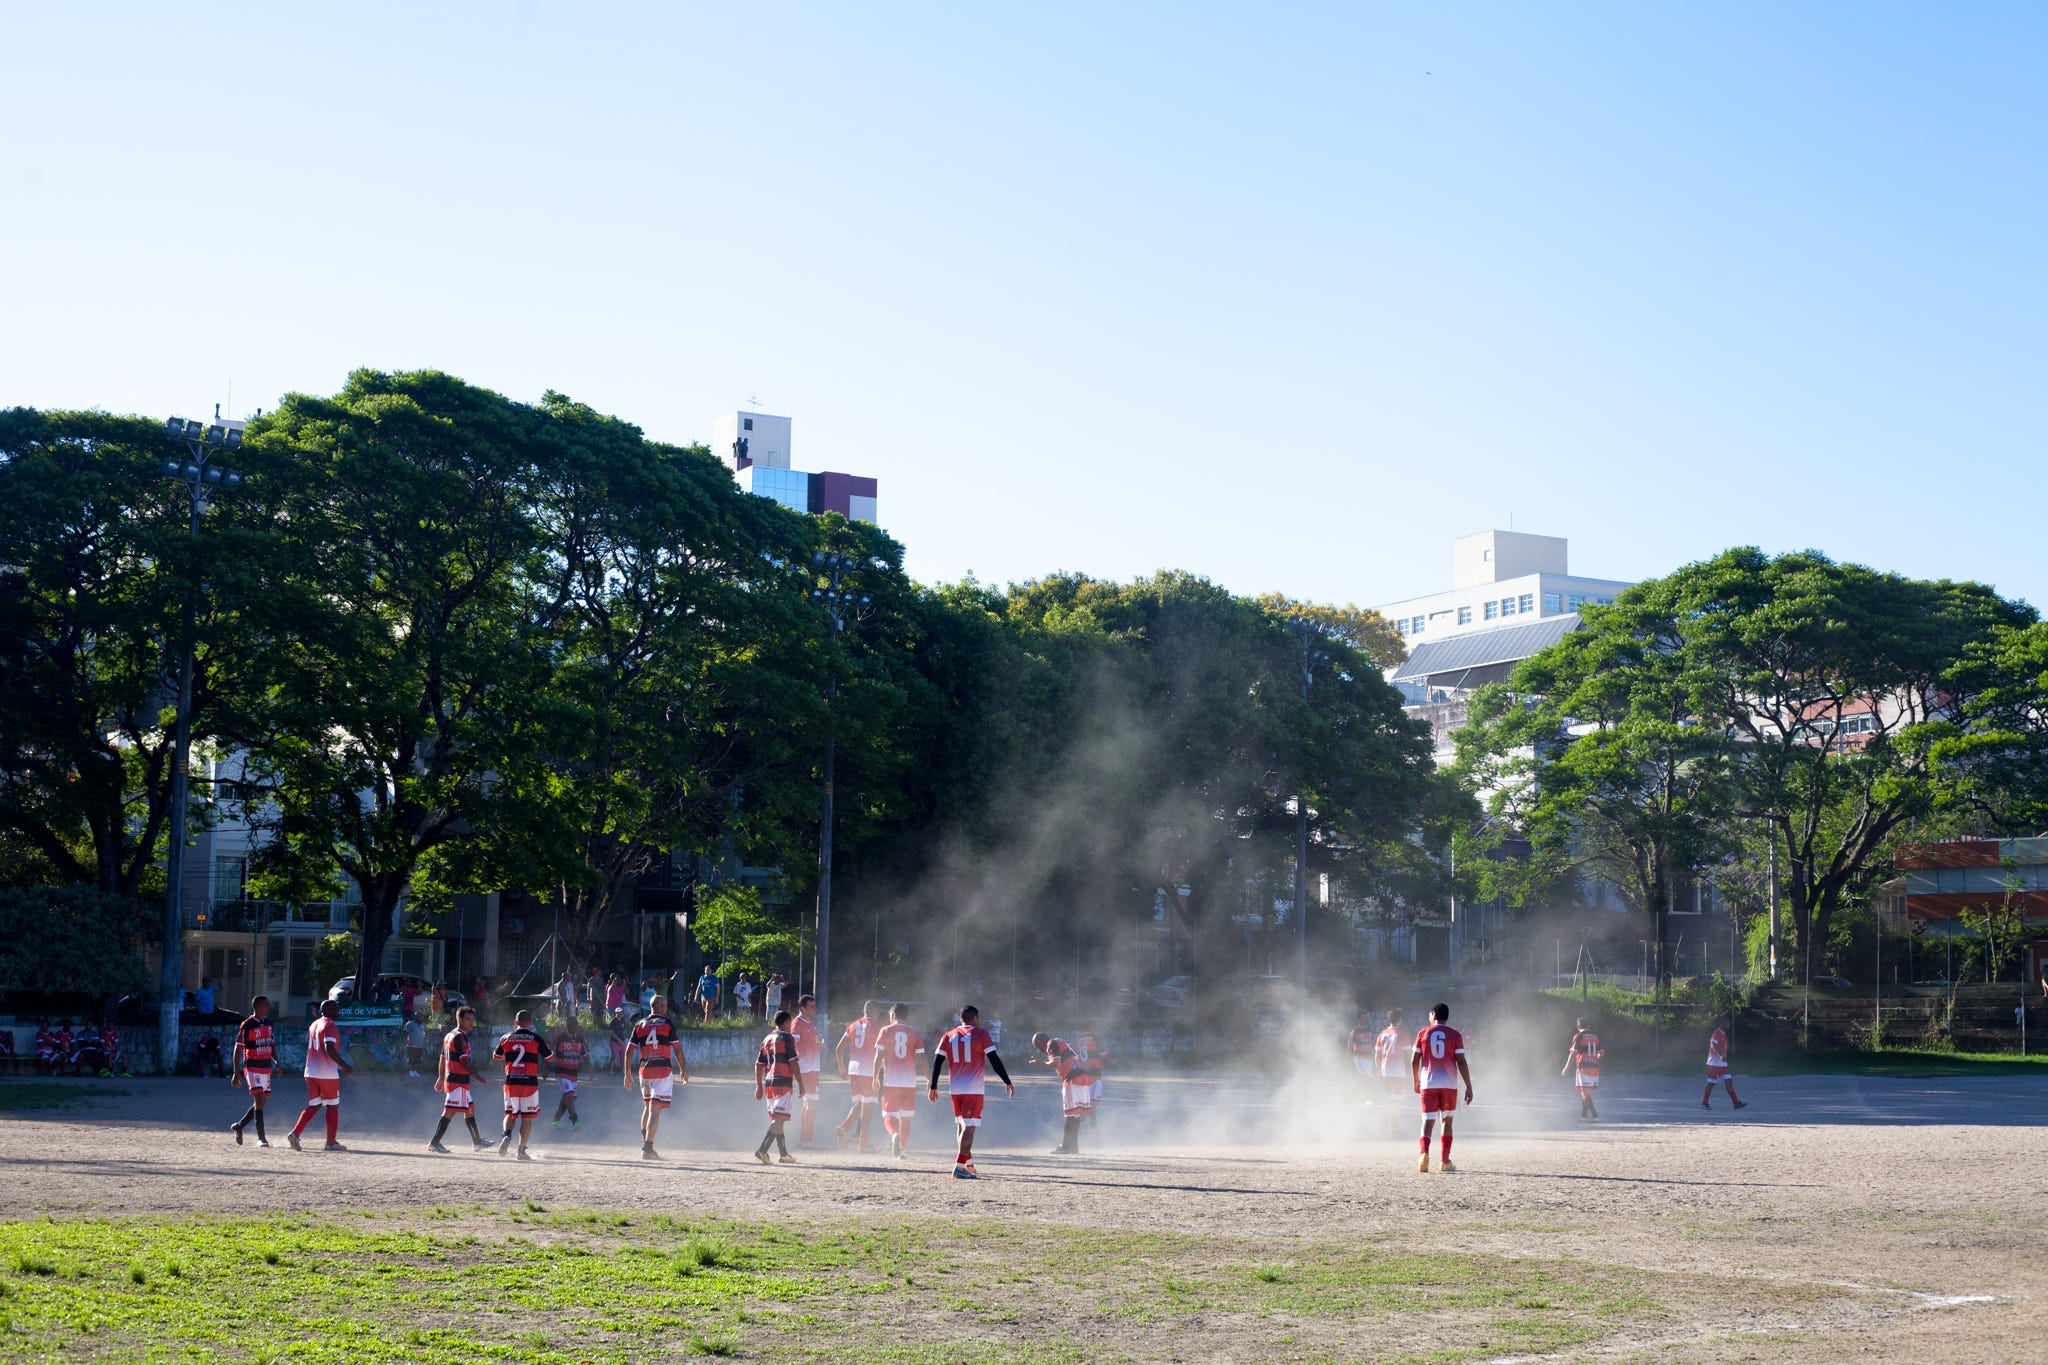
{"x":305,"y":1117}
{"x":1445,"y":1149}
{"x":333,"y":1122}
{"x":1425,"y":1144}
{"x":1731,"y":1094}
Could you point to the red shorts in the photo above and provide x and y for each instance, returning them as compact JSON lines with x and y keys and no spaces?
{"x":322,"y":1090}
{"x":899,"y":1101}
{"x":967,"y":1109}
{"x":1717,"y":1073}
{"x":1440,"y":1101}
{"x":863,"y":1086}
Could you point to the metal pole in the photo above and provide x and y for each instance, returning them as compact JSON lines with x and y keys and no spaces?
{"x":172,"y":978}
{"x":823,"y":972}
{"x":1301,"y":840}
{"x":1774,"y":908}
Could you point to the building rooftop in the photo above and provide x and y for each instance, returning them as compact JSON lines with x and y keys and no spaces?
{"x":1483,"y":648}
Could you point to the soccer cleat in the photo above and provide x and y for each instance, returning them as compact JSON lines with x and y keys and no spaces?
{"x":236,"y":1129}
{"x":841,"y":1134}
{"x":1423,"y":1165}
{"x":962,"y":1172}
{"x":575,"y":1125}
{"x":479,"y":1145}
{"x":1065,"y":1151}
{"x":868,"y":1150}
{"x":647,"y":1153}
{"x":504,"y":1144}
{"x":787,"y":1160}
{"x":761,"y":1155}
{"x":1705,"y":1105}
{"x":1446,"y":1166}
{"x":334,"y":1147}
{"x":437,"y":1147}
{"x":262,"y":1142}
{"x":1742,"y":1104}
{"x":556,"y":1124}
{"x":523,"y":1156}
{"x":293,"y":1139}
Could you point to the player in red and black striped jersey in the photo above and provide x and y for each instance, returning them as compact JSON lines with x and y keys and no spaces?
{"x":522,"y":1051}
{"x":660,"y":1056}
{"x":570,"y":1052}
{"x":458,"y":1072}
{"x":778,"y":1082}
{"x":255,"y":1055}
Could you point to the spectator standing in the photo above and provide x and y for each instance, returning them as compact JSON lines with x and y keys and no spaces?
{"x":707,"y":992}
{"x":743,"y":994}
{"x":772,"y":1004}
{"x":593,"y":997}
{"x":565,"y":996}
{"x":480,"y":1001}
{"x":439,"y":999}
{"x":614,"y":996}
{"x":205,"y":997}
{"x":415,"y":1045}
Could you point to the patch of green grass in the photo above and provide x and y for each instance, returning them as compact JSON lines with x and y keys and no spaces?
{"x":20,"y":1097}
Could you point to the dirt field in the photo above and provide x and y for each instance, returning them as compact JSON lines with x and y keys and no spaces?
{"x":1835,"y":1219}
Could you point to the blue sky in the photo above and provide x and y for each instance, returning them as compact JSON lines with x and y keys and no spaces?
{"x":1288,"y":296}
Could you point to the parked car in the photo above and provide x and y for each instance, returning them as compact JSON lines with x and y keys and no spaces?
{"x":391,"y":985}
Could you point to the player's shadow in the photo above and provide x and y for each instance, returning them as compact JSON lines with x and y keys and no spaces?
{"x":1650,"y":1180}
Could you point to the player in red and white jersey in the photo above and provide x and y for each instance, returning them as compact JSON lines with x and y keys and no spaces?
{"x":1584,"y":1056}
{"x":775,"y":1077}
{"x":255,"y":1055}
{"x":1435,"y":1067}
{"x":969,"y":1051}
{"x":897,"y":1049}
{"x":1096,"y":1054}
{"x":1388,"y":1049}
{"x":855,"y":1058}
{"x":458,"y":1065}
{"x":809,"y":1053}
{"x":661,"y":1065}
{"x":325,"y":1066}
{"x":1717,"y":1066}
{"x":1359,"y":1043}
{"x":522,"y":1051}
{"x":570,"y":1052}
{"x":1077,"y":1093}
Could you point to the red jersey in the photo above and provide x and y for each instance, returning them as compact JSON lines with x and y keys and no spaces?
{"x":966,"y":1050}
{"x":1439,"y":1046}
{"x":1586,"y":1053}
{"x":259,"y":1044}
{"x":319,"y":1065}
{"x":806,"y":1034}
{"x":570,"y":1050}
{"x":1068,"y":1063}
{"x":776,"y":1062}
{"x":455,"y":1047}
{"x":1359,"y":1040}
{"x":860,"y":1046}
{"x":896,"y":1051}
{"x":522,"y":1050}
{"x":655,"y":1037}
{"x":1388,"y":1049}
{"x":1717,"y":1048}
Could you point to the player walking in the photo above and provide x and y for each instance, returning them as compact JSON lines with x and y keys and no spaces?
{"x":570,"y":1050}
{"x":897,"y":1048}
{"x":1360,"y":1043}
{"x":457,"y":1071}
{"x":325,"y":1066}
{"x":654,"y":1045}
{"x":855,"y":1058}
{"x":522,"y":1051}
{"x":1434,"y":1069}
{"x":775,"y":1073}
{"x":1585,"y":1055}
{"x":1076,"y":1089}
{"x":1717,"y":1066}
{"x":969,"y":1050}
{"x":1387,"y":1049}
{"x":255,"y":1054}
{"x":809,"y":1050}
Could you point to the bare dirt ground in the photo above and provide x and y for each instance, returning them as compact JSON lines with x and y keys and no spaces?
{"x":1835,"y":1219}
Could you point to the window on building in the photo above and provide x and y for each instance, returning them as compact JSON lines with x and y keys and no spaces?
{"x":746,"y":423}
{"x":1527,"y":602}
{"x":1553,"y":603}
{"x":1507,"y":606}
{"x":1603,"y":601}
{"x":1573,"y":601}
{"x":1416,"y":626}
{"x":1464,"y":616}
{"x":1492,"y":609}
{"x":1401,"y":625}
{"x":1486,"y":555}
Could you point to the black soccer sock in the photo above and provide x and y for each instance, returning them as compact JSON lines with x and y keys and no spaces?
{"x":766,"y":1138}
{"x":243,"y":1122}
{"x":474,"y":1135}
{"x":1071,"y":1140}
{"x":261,"y":1136}
{"x":781,"y":1144}
{"x":441,"y":1129}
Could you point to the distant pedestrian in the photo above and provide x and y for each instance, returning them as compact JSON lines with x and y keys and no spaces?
{"x":1584,"y":1056}
{"x":707,"y":992}
{"x":415,"y":1045}
{"x":1717,"y":1066}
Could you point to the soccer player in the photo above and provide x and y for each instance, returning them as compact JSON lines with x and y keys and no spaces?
{"x":1717,"y":1066}
{"x":1076,"y":1090}
{"x":1360,"y":1044}
{"x":1387,"y":1050}
{"x":570,"y":1050}
{"x":255,"y":1054}
{"x":855,"y":1059}
{"x":1585,"y":1054}
{"x":325,"y":1066}
{"x":775,"y":1072}
{"x":1434,"y":1069}
{"x":46,"y":1050}
{"x":1096,"y":1055}
{"x":660,"y":1057}
{"x":457,"y":1071}
{"x":110,"y":1048}
{"x":897,"y":1047}
{"x":809,"y":1049}
{"x":970,"y":1051}
{"x":522,"y":1051}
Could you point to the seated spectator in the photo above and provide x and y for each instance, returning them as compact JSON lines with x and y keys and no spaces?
{"x":110,"y":1048}
{"x":67,"y":1047}
{"x":46,"y":1049}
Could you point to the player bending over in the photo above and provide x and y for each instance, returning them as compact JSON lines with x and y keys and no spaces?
{"x":1077,"y":1096}
{"x":654,"y":1044}
{"x":325,"y":1066}
{"x":897,"y":1046}
{"x":855,"y":1058}
{"x":454,"y":1080}
{"x":969,"y":1050}
{"x":255,"y":1054}
{"x":570,"y":1050}
{"x":1585,"y":1054}
{"x":1435,"y":1067}
{"x":1717,"y":1066}
{"x":522,"y":1051}
{"x":775,"y":1072}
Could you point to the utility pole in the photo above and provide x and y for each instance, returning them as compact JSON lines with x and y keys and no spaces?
{"x":201,"y":477}
{"x":842,"y":603}
{"x":1310,"y":636}
{"x":1774,"y":907}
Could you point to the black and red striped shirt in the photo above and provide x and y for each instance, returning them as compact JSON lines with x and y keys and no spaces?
{"x":522,"y":1050}
{"x":777,"y":1059}
{"x":259,"y":1044}
{"x":456,"y":1048}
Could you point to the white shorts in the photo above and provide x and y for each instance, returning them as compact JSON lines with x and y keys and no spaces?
{"x":457,"y":1100}
{"x":522,"y":1104}
{"x":781,"y":1106}
{"x":661,"y":1092}
{"x":1075,"y":1097}
{"x":1585,"y":1082}
{"x":257,"y":1081}
{"x":568,"y":1084}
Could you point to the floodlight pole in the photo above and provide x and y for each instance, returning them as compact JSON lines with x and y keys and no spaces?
{"x":841,"y":604}
{"x":200,"y":477}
